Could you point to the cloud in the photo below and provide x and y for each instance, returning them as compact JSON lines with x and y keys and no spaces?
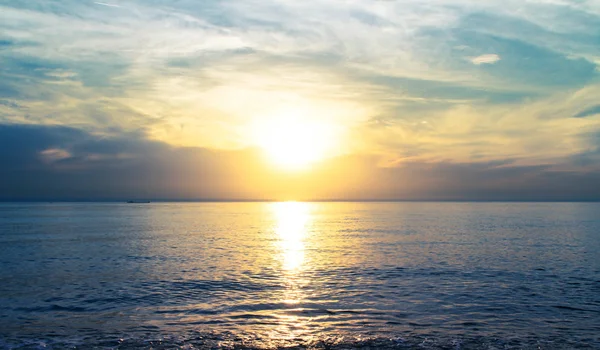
{"x":485,"y":59}
{"x":187,"y":75}
{"x":106,"y":4}
{"x":52,"y":155}
{"x":588,"y":112}
{"x":52,"y":163}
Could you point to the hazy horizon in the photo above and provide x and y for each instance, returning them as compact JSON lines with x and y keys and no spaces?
{"x":233,"y":200}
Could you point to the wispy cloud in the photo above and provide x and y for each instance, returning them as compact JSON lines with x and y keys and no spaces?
{"x":485,"y":59}
{"x":106,"y":4}
{"x":484,"y":76}
{"x":588,"y":112}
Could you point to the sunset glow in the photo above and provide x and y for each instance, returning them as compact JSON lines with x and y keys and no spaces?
{"x":278,"y":100}
{"x":276,"y":174}
{"x":294,"y":143}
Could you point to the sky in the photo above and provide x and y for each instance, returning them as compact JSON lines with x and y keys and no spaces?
{"x":316,"y":100}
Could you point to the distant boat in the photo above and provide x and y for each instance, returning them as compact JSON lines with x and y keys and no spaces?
{"x":138,"y":201}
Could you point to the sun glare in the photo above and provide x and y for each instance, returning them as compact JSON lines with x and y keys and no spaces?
{"x":294,"y":143}
{"x":292,"y":222}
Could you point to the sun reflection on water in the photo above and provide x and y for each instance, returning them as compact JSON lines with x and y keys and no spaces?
{"x":292,"y":221}
{"x":292,"y":229}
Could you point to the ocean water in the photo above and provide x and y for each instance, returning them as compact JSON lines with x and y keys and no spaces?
{"x":300,"y":275}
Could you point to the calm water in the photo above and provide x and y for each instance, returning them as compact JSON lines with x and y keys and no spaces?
{"x":321,"y":275}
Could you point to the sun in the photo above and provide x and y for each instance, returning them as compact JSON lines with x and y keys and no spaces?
{"x":294,"y":143}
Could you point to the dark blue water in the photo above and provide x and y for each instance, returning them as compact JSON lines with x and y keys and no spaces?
{"x":300,"y":275}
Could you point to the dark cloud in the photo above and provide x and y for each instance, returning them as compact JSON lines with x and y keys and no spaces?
{"x":20,"y":144}
{"x":52,"y":162}
{"x":588,"y":112}
{"x":498,"y":181}
{"x":126,"y":165}
{"x":4,"y":43}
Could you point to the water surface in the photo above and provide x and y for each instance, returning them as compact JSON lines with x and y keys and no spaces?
{"x":321,"y":275}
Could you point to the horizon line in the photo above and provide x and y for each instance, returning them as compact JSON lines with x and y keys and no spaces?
{"x":334,"y":200}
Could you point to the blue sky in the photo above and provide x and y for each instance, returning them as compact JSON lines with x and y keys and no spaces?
{"x":415,"y":87}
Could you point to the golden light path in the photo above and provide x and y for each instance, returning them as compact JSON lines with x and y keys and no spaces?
{"x":292,"y":226}
{"x":292,"y":220}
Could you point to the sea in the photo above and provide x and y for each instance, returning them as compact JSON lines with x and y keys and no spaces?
{"x":300,"y":275}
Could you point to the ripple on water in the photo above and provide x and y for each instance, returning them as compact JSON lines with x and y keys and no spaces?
{"x":320,"y":275}
{"x":248,"y":341}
